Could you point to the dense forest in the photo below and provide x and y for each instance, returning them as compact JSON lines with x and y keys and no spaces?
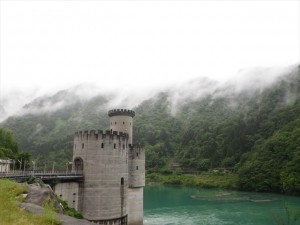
{"x":254,"y":132}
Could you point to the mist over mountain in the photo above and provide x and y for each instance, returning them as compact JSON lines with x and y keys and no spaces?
{"x":202,"y":124}
{"x":2,"y":112}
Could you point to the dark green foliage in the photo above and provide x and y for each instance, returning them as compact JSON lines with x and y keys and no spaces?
{"x":9,"y":149}
{"x":7,"y":141}
{"x":274,"y":163}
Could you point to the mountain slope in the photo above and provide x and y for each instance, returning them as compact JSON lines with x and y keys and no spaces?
{"x":201,"y":125}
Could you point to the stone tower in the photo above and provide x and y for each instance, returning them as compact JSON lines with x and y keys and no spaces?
{"x":114,"y":172}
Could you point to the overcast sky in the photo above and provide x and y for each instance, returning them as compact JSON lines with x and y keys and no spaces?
{"x":47,"y":45}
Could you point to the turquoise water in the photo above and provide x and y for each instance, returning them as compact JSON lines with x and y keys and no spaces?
{"x":169,"y":205}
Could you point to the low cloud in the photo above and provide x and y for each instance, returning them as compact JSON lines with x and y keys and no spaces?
{"x":130,"y":96}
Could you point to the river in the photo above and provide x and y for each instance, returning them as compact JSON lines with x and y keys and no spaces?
{"x":170,"y":205}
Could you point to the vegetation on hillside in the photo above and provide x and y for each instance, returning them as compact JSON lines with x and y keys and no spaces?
{"x":47,"y":133}
{"x":254,"y":132}
{"x":9,"y":149}
{"x":205,"y":180}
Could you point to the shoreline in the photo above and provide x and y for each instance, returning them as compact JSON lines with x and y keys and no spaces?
{"x":228,"y":181}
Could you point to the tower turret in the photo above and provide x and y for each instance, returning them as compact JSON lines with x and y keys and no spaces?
{"x":121,"y":121}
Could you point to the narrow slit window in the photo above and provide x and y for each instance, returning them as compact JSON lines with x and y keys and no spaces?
{"x":82,"y":145}
{"x":115,"y":145}
{"x":137,"y":167}
{"x":102,"y":145}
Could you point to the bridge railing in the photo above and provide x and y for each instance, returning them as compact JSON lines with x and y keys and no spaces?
{"x":18,"y":173}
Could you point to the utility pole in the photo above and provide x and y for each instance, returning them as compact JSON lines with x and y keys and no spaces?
{"x":33,"y":166}
{"x":24,"y":165}
{"x":53,"y":167}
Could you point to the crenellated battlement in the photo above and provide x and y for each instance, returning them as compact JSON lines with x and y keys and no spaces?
{"x":136,"y":152}
{"x":121,"y":112}
{"x":135,"y":146}
{"x":96,"y":134}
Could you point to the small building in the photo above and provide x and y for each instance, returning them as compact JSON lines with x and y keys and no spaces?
{"x":5,"y":165}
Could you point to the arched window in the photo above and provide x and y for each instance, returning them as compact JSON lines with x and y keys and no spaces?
{"x":78,"y":164}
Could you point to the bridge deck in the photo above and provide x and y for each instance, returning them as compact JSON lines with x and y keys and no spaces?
{"x":63,"y":176}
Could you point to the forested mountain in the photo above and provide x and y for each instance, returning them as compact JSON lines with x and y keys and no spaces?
{"x":254,"y":131}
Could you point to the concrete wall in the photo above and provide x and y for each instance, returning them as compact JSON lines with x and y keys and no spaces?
{"x":68,"y":192}
{"x":105,"y":163}
{"x":135,"y":206}
{"x":122,"y":124}
{"x":136,"y":166}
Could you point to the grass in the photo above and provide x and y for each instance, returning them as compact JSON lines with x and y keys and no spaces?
{"x":205,"y":180}
{"x":11,"y":214}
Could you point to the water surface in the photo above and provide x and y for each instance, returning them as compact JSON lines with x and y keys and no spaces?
{"x":169,"y":205}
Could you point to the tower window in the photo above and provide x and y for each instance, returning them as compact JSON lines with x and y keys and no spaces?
{"x":102,"y":145}
{"x":115,"y":122}
{"x":137,"y":154}
{"x":82,"y":145}
{"x":115,"y":146}
{"x":122,"y":181}
{"x":123,"y":122}
{"x":123,"y":146}
{"x":137,"y":167}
